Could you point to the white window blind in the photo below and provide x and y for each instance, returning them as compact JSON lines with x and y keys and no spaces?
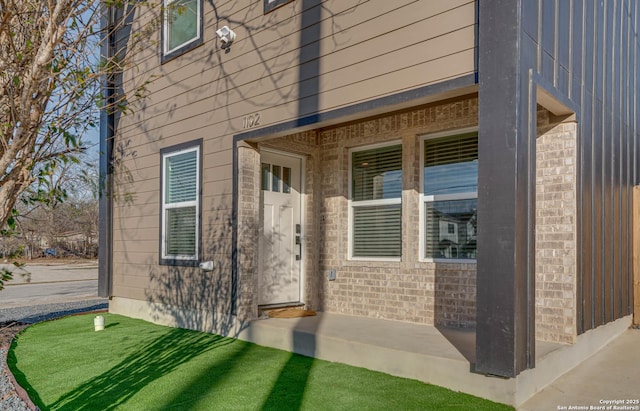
{"x":182,"y":179}
{"x":180,"y":204}
{"x":451,"y":164}
{"x":377,"y":173}
{"x":181,"y":231}
{"x":377,"y":231}
{"x":376,"y":190}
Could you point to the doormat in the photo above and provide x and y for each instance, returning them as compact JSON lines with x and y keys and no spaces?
{"x":291,"y":313}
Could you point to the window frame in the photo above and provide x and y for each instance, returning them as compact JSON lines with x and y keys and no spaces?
{"x":170,"y":54}
{"x":424,"y":199}
{"x":181,"y":260}
{"x":270,"y":6}
{"x":369,"y":203}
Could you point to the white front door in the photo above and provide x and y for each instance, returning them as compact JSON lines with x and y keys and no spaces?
{"x":280,"y":245}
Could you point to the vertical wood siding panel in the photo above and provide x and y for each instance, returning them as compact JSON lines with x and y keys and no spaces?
{"x":564,"y":32}
{"x":589,"y":166}
{"x":577,"y":94}
{"x":530,"y":19}
{"x":628,"y":154}
{"x":548,"y":24}
{"x":599,"y":61}
{"x":598,"y":195}
{"x":624,"y":155}
{"x":588,"y":237}
{"x":577,"y":51}
{"x":618,"y":160}
{"x":634,"y":72}
{"x":620,"y":219}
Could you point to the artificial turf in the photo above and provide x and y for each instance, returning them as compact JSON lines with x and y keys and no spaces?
{"x":135,"y":365}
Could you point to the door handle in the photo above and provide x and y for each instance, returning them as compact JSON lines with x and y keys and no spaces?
{"x":299,"y":242}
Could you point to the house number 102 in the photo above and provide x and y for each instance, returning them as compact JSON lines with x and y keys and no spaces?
{"x":252,"y":120}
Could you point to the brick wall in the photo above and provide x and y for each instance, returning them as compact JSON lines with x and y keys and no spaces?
{"x":556,"y":227}
{"x":248,"y":225}
{"x":408,"y":290}
{"x":455,"y":295}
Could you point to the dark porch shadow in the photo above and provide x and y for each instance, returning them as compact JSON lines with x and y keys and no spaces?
{"x":455,"y":306}
{"x":288,"y":390}
{"x":463,"y":339}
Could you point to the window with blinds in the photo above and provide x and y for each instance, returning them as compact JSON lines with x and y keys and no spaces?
{"x":376,"y":190}
{"x":451,"y":164}
{"x":450,"y":192}
{"x":180,"y":204}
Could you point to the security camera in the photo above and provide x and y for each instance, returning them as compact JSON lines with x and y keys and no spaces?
{"x":226,"y":36}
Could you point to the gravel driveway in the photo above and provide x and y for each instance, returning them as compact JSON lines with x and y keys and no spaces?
{"x":12,"y":321}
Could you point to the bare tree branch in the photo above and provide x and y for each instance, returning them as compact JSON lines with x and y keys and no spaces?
{"x":51,"y":78}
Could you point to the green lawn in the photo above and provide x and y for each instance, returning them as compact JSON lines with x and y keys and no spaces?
{"x":135,"y":365}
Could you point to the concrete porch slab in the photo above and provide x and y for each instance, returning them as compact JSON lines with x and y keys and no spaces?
{"x":403,"y":349}
{"x":442,"y":357}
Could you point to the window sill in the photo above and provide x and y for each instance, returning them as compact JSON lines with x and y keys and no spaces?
{"x":449,"y":261}
{"x":167,"y":57}
{"x":175,"y":262}
{"x":357,"y":261}
{"x":270,"y":5}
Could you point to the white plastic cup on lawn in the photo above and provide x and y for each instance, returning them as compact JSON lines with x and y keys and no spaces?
{"x":98,"y":323}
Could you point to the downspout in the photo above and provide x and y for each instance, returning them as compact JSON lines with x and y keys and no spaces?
{"x":107,"y":127}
